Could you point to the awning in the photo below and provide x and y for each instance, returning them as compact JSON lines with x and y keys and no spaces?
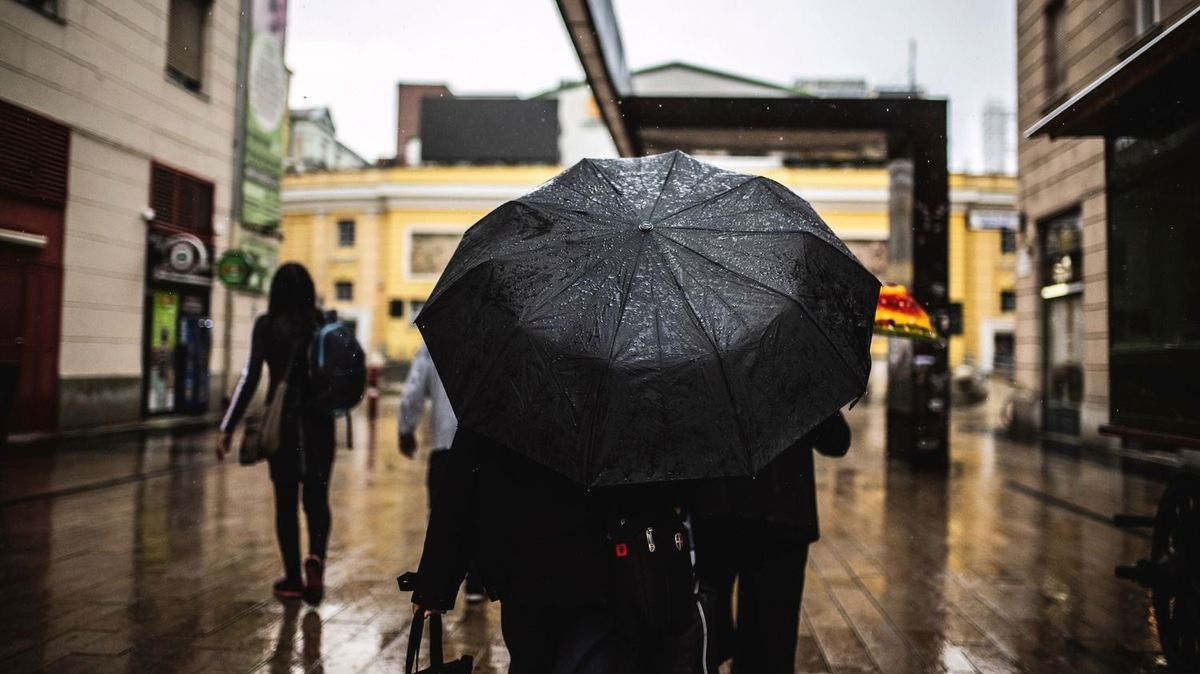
{"x":1150,"y":91}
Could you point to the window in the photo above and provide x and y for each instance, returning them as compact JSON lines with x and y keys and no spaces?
{"x":430,"y":252}
{"x":414,"y":309}
{"x":47,"y":7}
{"x":1062,"y":323}
{"x":1008,"y":300}
{"x":343,"y":291}
{"x":186,"y":25}
{"x":1146,"y":15}
{"x":345,"y":233}
{"x":1153,"y":287}
{"x":396,"y":309}
{"x":1008,"y":241}
{"x":181,"y":201}
{"x":1056,"y":47}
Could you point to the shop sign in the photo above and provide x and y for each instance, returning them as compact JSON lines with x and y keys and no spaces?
{"x":179,"y":258}
{"x":235,"y":268}
{"x":993,"y":219}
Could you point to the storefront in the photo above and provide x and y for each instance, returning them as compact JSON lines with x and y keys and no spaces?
{"x":1147,"y":110}
{"x":1154,"y":283}
{"x":179,"y":276}
{"x":1062,"y":310}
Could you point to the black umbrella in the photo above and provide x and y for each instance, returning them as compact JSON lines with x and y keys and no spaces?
{"x":640,"y":320}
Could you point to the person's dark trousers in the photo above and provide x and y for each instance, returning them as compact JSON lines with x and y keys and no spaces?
{"x":767,"y":559}
{"x":435,"y":480}
{"x":559,"y":640}
{"x":309,"y":487}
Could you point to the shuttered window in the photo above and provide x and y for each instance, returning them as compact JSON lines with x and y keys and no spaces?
{"x":33,"y":156}
{"x":181,"y":202}
{"x":185,"y":41}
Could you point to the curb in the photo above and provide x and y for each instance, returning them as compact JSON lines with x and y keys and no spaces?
{"x":156,"y":425}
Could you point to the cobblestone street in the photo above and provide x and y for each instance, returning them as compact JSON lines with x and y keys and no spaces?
{"x":127,"y":554}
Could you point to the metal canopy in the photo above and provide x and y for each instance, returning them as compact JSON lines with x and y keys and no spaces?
{"x":1148,"y":92}
{"x":909,"y":132}
{"x":592,"y":26}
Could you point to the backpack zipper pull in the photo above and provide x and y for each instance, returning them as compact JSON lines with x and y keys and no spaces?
{"x":650,"y":538}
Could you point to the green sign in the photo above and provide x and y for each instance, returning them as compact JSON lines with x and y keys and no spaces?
{"x":234,"y":269}
{"x":266,"y":113}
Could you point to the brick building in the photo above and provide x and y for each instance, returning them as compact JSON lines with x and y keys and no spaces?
{"x":1107,"y":334}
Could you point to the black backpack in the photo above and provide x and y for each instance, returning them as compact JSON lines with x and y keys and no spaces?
{"x":338,"y":367}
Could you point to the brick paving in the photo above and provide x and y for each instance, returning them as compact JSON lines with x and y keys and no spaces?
{"x":138,"y":554}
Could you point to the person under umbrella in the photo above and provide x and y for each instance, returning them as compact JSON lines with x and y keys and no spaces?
{"x":423,"y":384}
{"x":628,"y":324}
{"x":757,"y":531}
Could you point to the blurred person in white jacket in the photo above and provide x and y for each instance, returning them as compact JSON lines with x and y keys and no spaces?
{"x":421,"y":385}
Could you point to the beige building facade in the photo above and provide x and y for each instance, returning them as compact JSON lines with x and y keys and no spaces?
{"x":143,"y":92}
{"x":1063,"y":369}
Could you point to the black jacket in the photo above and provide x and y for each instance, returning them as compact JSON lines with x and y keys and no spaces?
{"x":526,"y":529}
{"x":784,"y":491}
{"x":273,"y":341}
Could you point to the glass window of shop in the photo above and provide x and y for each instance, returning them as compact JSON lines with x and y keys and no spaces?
{"x":1154,"y":287}
{"x":1062,"y":295}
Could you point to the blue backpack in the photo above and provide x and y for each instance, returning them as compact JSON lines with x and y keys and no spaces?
{"x":338,"y":367}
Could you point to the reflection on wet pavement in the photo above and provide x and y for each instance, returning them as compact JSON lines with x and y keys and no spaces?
{"x":144,"y":554}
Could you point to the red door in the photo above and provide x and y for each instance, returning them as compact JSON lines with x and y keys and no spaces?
{"x":30,"y":310}
{"x":33,"y":196}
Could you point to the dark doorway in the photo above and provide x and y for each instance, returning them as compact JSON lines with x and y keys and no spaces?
{"x":33,"y":195}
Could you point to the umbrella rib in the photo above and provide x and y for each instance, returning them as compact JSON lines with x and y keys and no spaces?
{"x":710,"y":199}
{"x":528,"y":199}
{"x":716,"y":353}
{"x":557,"y":211}
{"x":812,"y":319}
{"x":600,"y":172}
{"x":663,"y":187}
{"x":575,"y":279}
{"x":612,"y":345}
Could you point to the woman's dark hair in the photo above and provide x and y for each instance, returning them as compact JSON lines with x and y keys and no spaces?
{"x":292,"y":294}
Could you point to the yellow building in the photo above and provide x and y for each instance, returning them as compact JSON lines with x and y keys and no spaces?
{"x":377,"y":239}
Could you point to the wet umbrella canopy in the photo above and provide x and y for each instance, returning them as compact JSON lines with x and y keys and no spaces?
{"x":640,"y":320}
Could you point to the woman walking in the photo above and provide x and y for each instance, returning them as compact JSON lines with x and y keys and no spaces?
{"x":304,"y":461}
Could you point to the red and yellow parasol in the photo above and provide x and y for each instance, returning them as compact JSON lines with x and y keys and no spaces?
{"x":899,"y":315}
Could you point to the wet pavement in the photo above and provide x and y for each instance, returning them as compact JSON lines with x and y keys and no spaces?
{"x":143,"y":554}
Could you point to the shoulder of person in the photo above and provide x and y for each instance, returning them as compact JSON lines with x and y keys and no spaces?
{"x":262,"y":322}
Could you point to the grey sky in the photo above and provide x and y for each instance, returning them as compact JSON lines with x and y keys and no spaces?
{"x":350,"y":54}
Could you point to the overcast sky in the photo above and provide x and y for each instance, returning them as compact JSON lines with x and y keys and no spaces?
{"x":349,"y":54}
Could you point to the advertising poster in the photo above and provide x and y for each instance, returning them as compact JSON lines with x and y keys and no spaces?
{"x":266,"y":115}
{"x":164,"y":313}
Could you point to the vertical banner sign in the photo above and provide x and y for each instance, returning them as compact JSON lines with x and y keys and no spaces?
{"x":266,"y":110}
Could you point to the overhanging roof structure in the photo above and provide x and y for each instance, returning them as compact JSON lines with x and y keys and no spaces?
{"x":1152,"y":89}
{"x":593,"y":29}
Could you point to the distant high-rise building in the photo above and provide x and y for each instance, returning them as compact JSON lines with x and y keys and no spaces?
{"x":998,"y":133}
